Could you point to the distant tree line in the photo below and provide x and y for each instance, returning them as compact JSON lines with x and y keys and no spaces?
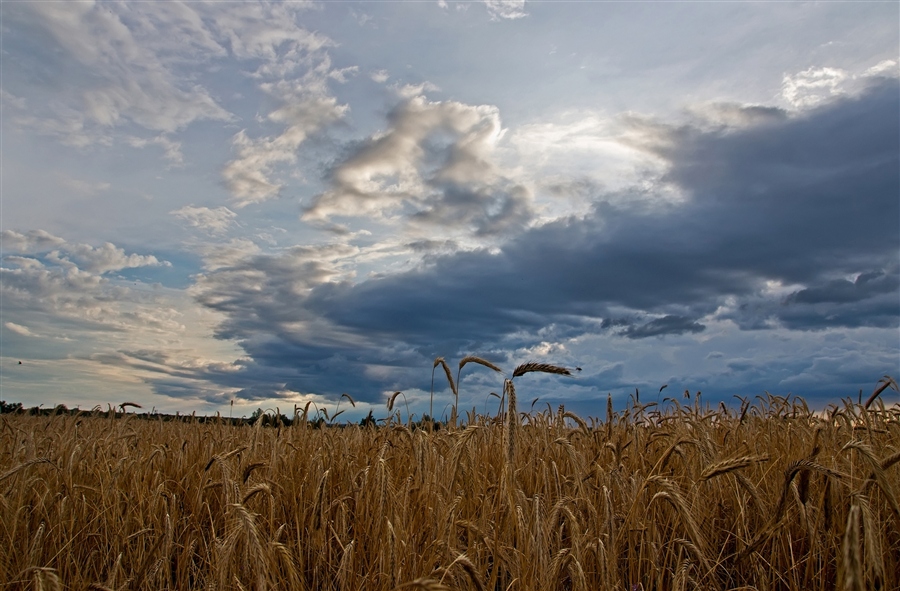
{"x":267,"y":418}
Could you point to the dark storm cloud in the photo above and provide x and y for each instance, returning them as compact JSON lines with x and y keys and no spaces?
{"x":807,"y":199}
{"x":664,"y":326}
{"x":873,"y":299}
{"x":841,"y":291}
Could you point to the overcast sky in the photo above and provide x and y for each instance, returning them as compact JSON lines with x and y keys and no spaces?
{"x":207,"y":202}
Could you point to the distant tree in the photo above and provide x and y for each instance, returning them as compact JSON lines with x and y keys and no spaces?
{"x":10,"y":407}
{"x":368,"y":421}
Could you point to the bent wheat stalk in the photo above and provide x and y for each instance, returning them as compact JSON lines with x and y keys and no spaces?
{"x":440,"y":361}
{"x":462,"y":363}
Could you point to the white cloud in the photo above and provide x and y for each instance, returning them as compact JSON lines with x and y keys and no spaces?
{"x":812,"y":86}
{"x":265,"y":31}
{"x":380,"y":76}
{"x":248,"y":177}
{"x":171,"y":149}
{"x":68,"y":126}
{"x":229,"y":254}
{"x":883,"y":68}
{"x":433,"y":169}
{"x":506,"y":9}
{"x":125,"y":65}
{"x":393,"y":168}
{"x":77,"y":257}
{"x":305,"y":107}
{"x":102,"y":259}
{"x":342,"y":75}
{"x":132,"y":56}
{"x":409,"y":91}
{"x":19,"y":329}
{"x":572,"y":158}
{"x":68,"y":285}
{"x":212,"y":221}
{"x":31,"y":242}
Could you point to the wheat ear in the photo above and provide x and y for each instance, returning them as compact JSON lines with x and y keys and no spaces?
{"x":541,"y":367}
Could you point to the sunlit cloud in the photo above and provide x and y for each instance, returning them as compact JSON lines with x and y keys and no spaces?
{"x":19,"y":329}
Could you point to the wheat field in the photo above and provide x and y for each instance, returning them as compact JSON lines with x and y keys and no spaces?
{"x":655,"y":497}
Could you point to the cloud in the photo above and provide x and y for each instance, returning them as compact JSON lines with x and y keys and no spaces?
{"x":101,"y":259}
{"x":871,"y":299}
{"x":127,"y":74}
{"x":171,"y":149}
{"x":506,"y":9}
{"x":30,"y":242}
{"x":267,"y":32}
{"x":67,"y":284}
{"x":433,"y":168}
{"x":787,"y":200}
{"x":667,"y":325}
{"x":235,"y":252}
{"x":724,"y":116}
{"x":9,"y":99}
{"x":883,"y":68}
{"x":124,"y":65}
{"x":812,"y":86}
{"x":213,"y":221}
{"x":89,"y":318}
{"x":576,"y":157}
{"x":305,"y":106}
{"x":409,"y":91}
{"x":18,"y":329}
{"x":248,"y":175}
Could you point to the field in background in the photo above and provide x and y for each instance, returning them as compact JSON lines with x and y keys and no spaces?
{"x":769,"y":496}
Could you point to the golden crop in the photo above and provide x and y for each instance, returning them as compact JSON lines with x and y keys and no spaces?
{"x":770,"y":496}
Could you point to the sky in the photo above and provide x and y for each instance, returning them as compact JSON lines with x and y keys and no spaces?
{"x":216,"y":206}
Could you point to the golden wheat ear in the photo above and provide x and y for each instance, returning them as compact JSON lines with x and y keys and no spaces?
{"x":540,"y":367}
{"x":440,"y":361}
{"x":883,"y":384}
{"x":390,"y":402}
{"x":473,"y":359}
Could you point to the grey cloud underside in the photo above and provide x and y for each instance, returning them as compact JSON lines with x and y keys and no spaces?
{"x":808,"y":200}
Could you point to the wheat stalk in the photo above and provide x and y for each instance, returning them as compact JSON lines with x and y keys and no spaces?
{"x":852,"y":552}
{"x":462,"y":363}
{"x":726,"y":466}
{"x":885,"y":383}
{"x":440,"y":361}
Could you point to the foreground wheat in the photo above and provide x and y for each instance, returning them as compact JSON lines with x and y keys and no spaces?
{"x":679,"y":497}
